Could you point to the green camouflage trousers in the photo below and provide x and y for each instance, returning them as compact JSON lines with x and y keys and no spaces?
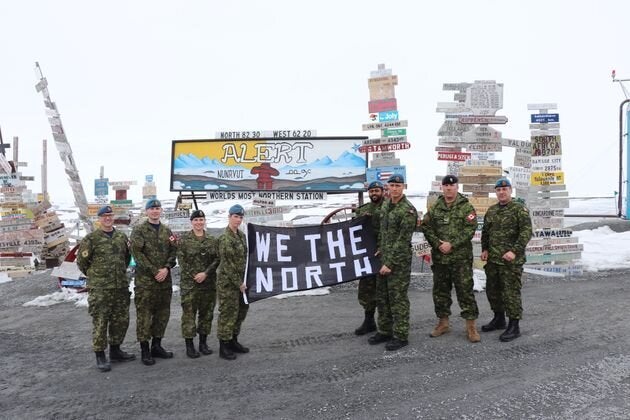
{"x":445,"y":276}
{"x":393,"y":303}
{"x":153,"y":310}
{"x":199,"y":303}
{"x":503,"y":289}
{"x":367,"y":293}
{"x":232,"y":312}
{"x":109,"y":309}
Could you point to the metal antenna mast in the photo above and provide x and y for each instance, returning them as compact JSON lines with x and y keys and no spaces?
{"x":621,"y":134}
{"x":65,"y":151}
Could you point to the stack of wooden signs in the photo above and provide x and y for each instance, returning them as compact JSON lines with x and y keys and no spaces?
{"x":553,"y":249}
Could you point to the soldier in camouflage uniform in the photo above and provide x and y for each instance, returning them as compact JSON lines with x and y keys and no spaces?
{"x":507,"y":228}
{"x":153,"y":246}
{"x":198,"y":260}
{"x":230,"y":286}
{"x":367,"y":285}
{"x":449,"y":227}
{"x":103,"y":257}
{"x":398,"y":222}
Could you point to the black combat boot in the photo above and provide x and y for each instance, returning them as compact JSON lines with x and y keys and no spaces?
{"x":497,"y":323}
{"x":238,"y":347}
{"x":101,"y":362}
{"x":368,"y":325}
{"x":117,"y":355}
{"x":513,"y":331}
{"x":158,"y":351}
{"x":225,"y":352}
{"x":203,"y":344}
{"x":379,"y":338}
{"x":396,"y":344}
{"x":190,"y":349}
{"x":146,"y":353}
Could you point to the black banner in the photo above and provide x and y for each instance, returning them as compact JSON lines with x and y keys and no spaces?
{"x":289,"y":259}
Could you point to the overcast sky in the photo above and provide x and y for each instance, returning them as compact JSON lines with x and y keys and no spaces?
{"x":129,"y":77}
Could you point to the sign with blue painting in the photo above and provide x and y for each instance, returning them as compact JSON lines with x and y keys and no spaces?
{"x":101,"y":186}
{"x":545,"y":118}
{"x":330,"y":164}
{"x":382,"y":173}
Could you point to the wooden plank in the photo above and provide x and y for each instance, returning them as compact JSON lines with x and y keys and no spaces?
{"x":481,"y":170}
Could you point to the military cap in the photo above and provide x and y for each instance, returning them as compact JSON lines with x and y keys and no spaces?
{"x":154,"y":202}
{"x":375,"y":184}
{"x":197,"y":213}
{"x":449,"y":180}
{"x":397,"y":179}
{"x":503,"y":182}
{"x":105,"y":210}
{"x":237,"y":209}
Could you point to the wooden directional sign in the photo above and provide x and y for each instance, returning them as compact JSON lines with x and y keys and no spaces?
{"x":535,"y":126}
{"x":393,"y":132}
{"x":452,"y":107}
{"x":547,"y":212}
{"x":546,"y":145}
{"x":483,"y":119}
{"x":384,"y":147}
{"x":482,"y":201}
{"x":483,"y":147}
{"x":447,"y":149}
{"x":477,"y":179}
{"x":547,"y":178}
{"x":524,"y":144}
{"x":549,"y":203}
{"x":551,"y":249}
{"x":266,"y":211}
{"x":545,"y":118}
{"x":546,"y":132}
{"x":454,"y":156}
{"x":381,"y":125}
{"x":545,"y":258}
{"x":484,"y":97}
{"x":541,"y":106}
{"x":546,"y":163}
{"x":461,"y":87}
{"x":481,"y":188}
{"x":548,"y":222}
{"x":452,"y":128}
{"x":482,"y":134}
{"x":381,"y":105}
{"x":552,"y":233}
{"x":556,"y":269}
{"x":385,"y":140}
{"x":495,"y":171}
{"x":534,"y":195}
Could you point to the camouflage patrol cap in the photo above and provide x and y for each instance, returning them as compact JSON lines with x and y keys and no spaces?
{"x":154,"y":202}
{"x":375,"y":184}
{"x":197,"y":213}
{"x":449,"y":180}
{"x":503,"y":182}
{"x":237,"y":209}
{"x":396,"y":179}
{"x":105,"y":211}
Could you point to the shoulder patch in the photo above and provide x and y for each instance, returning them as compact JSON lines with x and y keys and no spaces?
{"x":472,"y":217}
{"x":85,"y":253}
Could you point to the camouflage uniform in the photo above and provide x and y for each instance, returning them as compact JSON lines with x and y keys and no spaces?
{"x":398,"y":221}
{"x":196,"y":255}
{"x":455,"y":224}
{"x":104,"y":261}
{"x":505,"y":228}
{"x":230,"y":273}
{"x":367,"y":285}
{"x":152,"y":249}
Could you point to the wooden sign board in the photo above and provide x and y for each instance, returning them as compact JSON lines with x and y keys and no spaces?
{"x":266,"y":211}
{"x":547,"y":178}
{"x":556,"y":269}
{"x":381,"y":125}
{"x":483,"y":119}
{"x":484,"y":97}
{"x":546,"y":212}
{"x":546,"y":145}
{"x":384,"y":147}
{"x":23,"y":238}
{"x":454,"y":156}
{"x":546,"y":258}
{"x":548,"y":222}
{"x":452,"y":107}
{"x":475,"y":161}
{"x":385,"y":140}
{"x":547,"y":187}
{"x":542,"y":106}
{"x":524,"y":144}
{"x":482,"y":134}
{"x":453,"y":128}
{"x":495,"y":171}
{"x":483,"y":147}
{"x":482,"y":188}
{"x":535,"y":195}
{"x":546,"y":132}
{"x":482,"y":201}
{"x":549,"y":203}
{"x":551,"y":249}
{"x":477,"y":179}
{"x":552,"y":233}
{"x":544,"y":126}
{"x":553,"y":241}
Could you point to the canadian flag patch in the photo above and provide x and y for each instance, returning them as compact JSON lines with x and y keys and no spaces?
{"x":471,"y":217}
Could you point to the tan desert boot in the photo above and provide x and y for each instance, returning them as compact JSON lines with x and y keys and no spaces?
{"x":471,"y":331}
{"x":442,"y":327}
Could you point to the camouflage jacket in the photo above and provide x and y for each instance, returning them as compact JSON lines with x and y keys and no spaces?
{"x":153,"y":249}
{"x":373,"y":210}
{"x":196,"y":255}
{"x":398,"y":222}
{"x":104,"y":260}
{"x":455,"y":224}
{"x":233,"y":258}
{"x":506,"y":228}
